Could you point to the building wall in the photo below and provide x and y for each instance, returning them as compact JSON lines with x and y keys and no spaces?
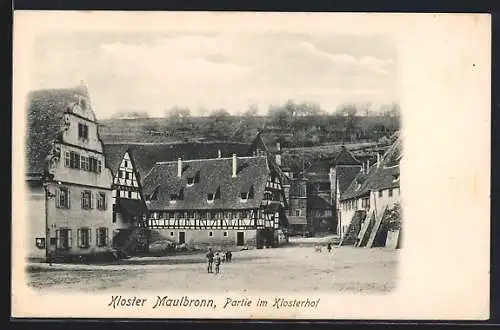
{"x":75,"y":217}
{"x":377,"y":203}
{"x":35,"y":208}
{"x":201,"y":238}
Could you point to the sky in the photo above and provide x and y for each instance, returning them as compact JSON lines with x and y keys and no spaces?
{"x":151,"y":72}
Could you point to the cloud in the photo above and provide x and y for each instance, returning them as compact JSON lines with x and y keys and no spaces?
{"x":212,"y":70}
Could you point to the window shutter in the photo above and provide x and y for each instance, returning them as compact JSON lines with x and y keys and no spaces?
{"x":91,"y":198}
{"x":106,"y":236}
{"x":70,"y":238}
{"x":58,"y":197}
{"x":79,"y":237}
{"x":68,"y":192}
{"x":97,"y":239}
{"x":89,"y":234}
{"x":82,"y":195}
{"x":58,"y":238}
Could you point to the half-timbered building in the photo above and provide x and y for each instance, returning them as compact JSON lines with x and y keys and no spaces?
{"x":129,"y":208}
{"x":69,"y":184}
{"x":235,"y":201}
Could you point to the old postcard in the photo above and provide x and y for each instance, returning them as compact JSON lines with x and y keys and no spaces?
{"x":251,"y":165}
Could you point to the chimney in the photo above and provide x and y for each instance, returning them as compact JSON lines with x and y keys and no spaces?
{"x":378,"y":159}
{"x":219,"y":154}
{"x":234,"y":165}
{"x":179,"y":167}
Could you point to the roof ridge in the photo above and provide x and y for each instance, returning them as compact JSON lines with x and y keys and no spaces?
{"x":207,"y":159}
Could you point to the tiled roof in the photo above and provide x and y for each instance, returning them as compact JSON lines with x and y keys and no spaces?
{"x":215,"y":176}
{"x":146,"y":155}
{"x":345,"y":175}
{"x":114,"y":155}
{"x":345,"y":157}
{"x":385,"y":176}
{"x":318,"y":202}
{"x":45,"y":114}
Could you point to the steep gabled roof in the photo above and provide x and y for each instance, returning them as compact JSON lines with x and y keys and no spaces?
{"x":45,"y":117}
{"x":114,"y":154}
{"x":345,"y":175}
{"x":146,"y":155}
{"x":318,"y":202}
{"x":215,"y":176}
{"x":385,"y":176}
{"x":345,"y":157}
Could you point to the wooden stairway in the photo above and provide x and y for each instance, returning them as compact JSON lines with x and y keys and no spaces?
{"x":351,"y":235}
{"x":364,"y":233}
{"x":376,"y":228}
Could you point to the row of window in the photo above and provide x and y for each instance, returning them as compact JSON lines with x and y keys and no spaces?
{"x":73,"y":159}
{"x":125,"y":174}
{"x":365,"y":202}
{"x":381,"y":193}
{"x":127,"y":194}
{"x":87,"y":199}
{"x":210,"y":234}
{"x":204,"y":215}
{"x":64,"y":238}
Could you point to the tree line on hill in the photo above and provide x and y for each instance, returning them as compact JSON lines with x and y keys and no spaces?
{"x":294,"y":124}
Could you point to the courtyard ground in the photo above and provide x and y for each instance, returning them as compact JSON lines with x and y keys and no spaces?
{"x":294,"y":268}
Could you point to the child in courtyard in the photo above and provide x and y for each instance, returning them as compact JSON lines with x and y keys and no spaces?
{"x":210,"y":258}
{"x":217,"y":263}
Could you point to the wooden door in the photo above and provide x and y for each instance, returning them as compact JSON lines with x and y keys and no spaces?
{"x":240,"y":238}
{"x":182,"y":237}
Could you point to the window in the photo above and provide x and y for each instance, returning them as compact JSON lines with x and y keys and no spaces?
{"x":210,"y":197}
{"x":84,"y":163}
{"x":212,"y":215}
{"x":190,"y":214}
{"x":380,"y":193}
{"x":395,"y":178}
{"x":67,"y":159}
{"x":127,"y":175}
{"x":102,"y":236}
{"x":101,"y":201}
{"x":244,"y":196}
{"x":114,"y":217}
{"x":83,"y":131}
{"x":225,"y":234}
{"x":129,"y":194}
{"x":74,"y":159}
{"x":64,"y":239}
{"x":99,"y":166}
{"x":171,"y":233}
{"x":365,"y":203}
{"x":94,"y":165}
{"x":62,"y":198}
{"x":190,"y":181}
{"x":86,"y":199}
{"x":173,"y":197}
{"x":125,"y":163}
{"x":297,"y":213}
{"x":390,"y":192}
{"x":210,"y":233}
{"x":229,"y":215}
{"x":83,"y":236}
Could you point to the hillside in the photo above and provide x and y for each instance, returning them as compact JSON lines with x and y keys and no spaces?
{"x":296,"y":132}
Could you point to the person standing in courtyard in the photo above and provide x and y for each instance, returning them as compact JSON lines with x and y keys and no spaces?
{"x":229,"y":255}
{"x":329,"y":247}
{"x":217,"y":263}
{"x":210,"y":258}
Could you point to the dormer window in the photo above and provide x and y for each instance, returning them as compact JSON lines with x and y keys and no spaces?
{"x":190,"y":181}
{"x":210,"y":197}
{"x":244,"y":196}
{"x":173,"y":198}
{"x":395,"y":178}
